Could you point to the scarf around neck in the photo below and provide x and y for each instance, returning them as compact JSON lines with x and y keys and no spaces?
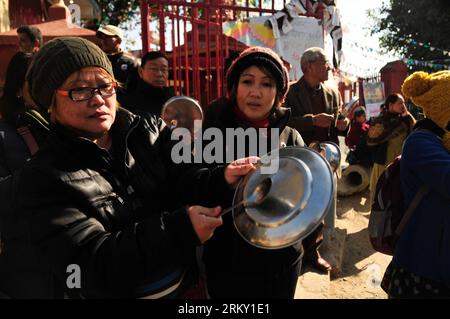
{"x":262,"y":123}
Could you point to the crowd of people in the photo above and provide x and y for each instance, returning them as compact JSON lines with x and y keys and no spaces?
{"x":87,"y":177}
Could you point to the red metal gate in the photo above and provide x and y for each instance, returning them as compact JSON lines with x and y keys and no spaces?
{"x":191,"y":36}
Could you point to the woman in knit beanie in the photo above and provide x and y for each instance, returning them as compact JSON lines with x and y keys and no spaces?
{"x":267,"y":62}
{"x":93,"y":203}
{"x":420,"y":267}
{"x":257,"y":83}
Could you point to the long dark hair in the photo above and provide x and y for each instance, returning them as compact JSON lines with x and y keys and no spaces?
{"x":10,"y":103}
{"x":391,"y":99}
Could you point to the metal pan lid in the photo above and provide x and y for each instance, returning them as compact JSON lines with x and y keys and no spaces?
{"x":181,"y":111}
{"x":300,"y":195}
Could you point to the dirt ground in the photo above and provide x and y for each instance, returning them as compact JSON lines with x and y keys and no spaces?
{"x":362,"y":268}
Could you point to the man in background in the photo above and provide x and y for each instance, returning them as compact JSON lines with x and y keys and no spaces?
{"x":152,"y":89}
{"x":315,"y":105}
{"x":30,"y":39}
{"x":316,"y":110}
{"x":124,"y":66}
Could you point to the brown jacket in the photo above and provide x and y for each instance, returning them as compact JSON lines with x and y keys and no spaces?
{"x":298,"y":101}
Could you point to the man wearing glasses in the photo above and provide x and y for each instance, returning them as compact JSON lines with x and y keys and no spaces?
{"x":152,"y":89}
{"x":124,"y":66}
{"x":316,"y":110}
{"x":315,"y":105}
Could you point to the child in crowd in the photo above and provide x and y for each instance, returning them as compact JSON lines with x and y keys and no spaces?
{"x":356,"y":138}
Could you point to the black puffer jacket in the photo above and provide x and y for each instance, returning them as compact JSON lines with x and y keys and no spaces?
{"x":227,"y":256}
{"x":80,"y":204}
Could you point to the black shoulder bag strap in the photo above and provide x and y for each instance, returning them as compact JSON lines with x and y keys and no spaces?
{"x":423,"y":190}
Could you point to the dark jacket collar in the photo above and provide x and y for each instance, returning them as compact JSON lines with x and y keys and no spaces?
{"x":428,"y":124}
{"x":143,"y":86}
{"x":62,"y":137}
{"x":312,"y":90}
{"x":115,"y":56}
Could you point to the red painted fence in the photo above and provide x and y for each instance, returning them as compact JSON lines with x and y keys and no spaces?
{"x":191,"y":35}
{"x":197,"y":48}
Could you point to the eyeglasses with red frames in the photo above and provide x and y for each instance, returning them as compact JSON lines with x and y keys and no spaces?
{"x":81,"y":94}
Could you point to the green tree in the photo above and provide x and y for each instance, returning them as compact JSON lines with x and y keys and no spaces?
{"x":416,"y":29}
{"x":117,"y":11}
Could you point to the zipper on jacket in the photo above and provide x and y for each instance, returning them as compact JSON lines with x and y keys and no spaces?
{"x":132,"y":128}
{"x":106,"y":199}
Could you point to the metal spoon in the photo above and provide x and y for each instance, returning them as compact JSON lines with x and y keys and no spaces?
{"x":261,"y":191}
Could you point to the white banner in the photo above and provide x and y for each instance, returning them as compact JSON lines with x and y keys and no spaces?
{"x":305,"y":33}
{"x":301,"y":33}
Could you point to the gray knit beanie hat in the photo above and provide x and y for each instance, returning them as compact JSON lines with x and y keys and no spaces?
{"x":56,"y":61}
